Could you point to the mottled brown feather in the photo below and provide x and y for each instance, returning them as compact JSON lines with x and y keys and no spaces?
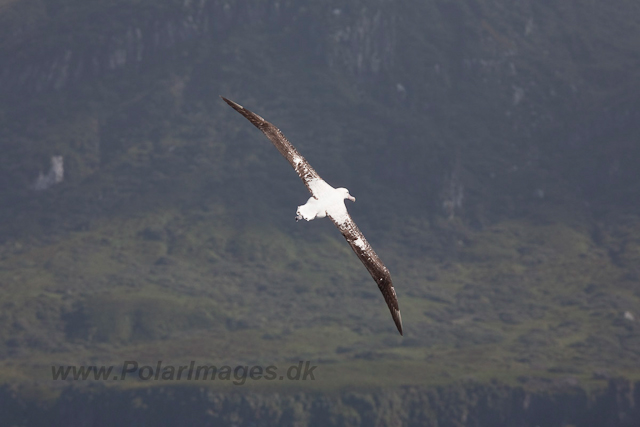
{"x":374,"y":265}
{"x":288,"y":151}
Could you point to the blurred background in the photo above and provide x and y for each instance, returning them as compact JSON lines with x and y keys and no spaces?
{"x":493,"y":150}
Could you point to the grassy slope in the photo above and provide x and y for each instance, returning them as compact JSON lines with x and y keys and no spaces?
{"x":149,"y":250}
{"x":525,"y":299}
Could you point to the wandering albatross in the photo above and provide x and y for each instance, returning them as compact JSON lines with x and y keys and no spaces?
{"x":328,"y":201}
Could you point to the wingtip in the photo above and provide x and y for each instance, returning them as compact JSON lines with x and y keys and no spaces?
{"x":232,"y":104}
{"x":253,"y":117}
{"x":398,"y":321}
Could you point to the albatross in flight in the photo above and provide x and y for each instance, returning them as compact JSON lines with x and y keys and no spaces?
{"x":328,"y":201}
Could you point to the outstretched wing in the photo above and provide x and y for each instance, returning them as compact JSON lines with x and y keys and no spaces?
{"x":288,"y":151}
{"x":370,"y":259}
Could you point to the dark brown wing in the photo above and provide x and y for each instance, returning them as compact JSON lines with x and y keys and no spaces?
{"x":370,"y":259}
{"x":288,"y":151}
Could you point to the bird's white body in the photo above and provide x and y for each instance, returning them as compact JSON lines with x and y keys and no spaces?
{"x":326,"y":200}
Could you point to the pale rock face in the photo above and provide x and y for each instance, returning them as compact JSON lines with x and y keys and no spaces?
{"x":55,"y":175}
{"x":57,"y":169}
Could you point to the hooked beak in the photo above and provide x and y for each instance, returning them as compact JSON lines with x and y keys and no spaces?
{"x":353,"y":199}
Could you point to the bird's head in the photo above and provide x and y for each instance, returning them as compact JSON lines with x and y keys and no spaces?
{"x":346,"y":195}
